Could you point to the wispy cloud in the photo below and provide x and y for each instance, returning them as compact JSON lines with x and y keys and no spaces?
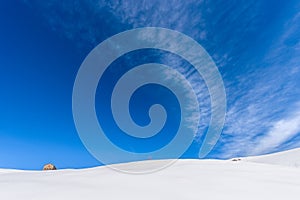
{"x":263,"y":112}
{"x":259,"y":60}
{"x":279,"y":133}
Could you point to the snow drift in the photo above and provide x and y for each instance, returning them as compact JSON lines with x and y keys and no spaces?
{"x":263,"y":177}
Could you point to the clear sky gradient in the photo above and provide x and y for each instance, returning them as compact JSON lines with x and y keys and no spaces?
{"x":255,"y":45}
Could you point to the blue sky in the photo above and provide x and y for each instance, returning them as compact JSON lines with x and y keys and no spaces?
{"x":255,"y":45}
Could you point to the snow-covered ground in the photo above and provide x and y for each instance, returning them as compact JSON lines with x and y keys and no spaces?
{"x":274,"y":176}
{"x":289,"y":158}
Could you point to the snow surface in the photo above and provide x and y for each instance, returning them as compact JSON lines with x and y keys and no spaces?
{"x":263,"y":177}
{"x":289,"y":158}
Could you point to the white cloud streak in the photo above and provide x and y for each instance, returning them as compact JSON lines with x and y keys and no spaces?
{"x":280,"y":132}
{"x":264,"y":114}
{"x":257,"y":99}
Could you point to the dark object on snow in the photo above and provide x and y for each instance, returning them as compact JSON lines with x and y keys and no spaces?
{"x":236,"y":159}
{"x":49,"y":167}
